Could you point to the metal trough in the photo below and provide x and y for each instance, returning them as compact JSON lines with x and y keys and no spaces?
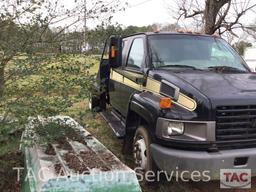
{"x":78,"y":166}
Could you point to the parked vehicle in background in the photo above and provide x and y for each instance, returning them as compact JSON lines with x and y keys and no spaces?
{"x":250,"y":57}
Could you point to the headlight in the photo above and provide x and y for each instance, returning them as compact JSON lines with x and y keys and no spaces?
{"x":181,"y":130}
{"x":173,"y":128}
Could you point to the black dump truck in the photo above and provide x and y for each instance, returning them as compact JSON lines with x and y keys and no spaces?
{"x":179,"y":100}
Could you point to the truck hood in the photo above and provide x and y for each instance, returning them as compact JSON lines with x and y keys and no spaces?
{"x":223,"y":89}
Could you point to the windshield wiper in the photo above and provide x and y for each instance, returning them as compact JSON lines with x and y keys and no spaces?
{"x":180,"y":66}
{"x":226,"y":68}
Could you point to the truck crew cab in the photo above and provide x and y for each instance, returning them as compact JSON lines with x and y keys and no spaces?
{"x":180,"y":101}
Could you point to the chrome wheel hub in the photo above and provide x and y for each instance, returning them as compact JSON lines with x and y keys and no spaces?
{"x":90,"y":102}
{"x":140,"y":153}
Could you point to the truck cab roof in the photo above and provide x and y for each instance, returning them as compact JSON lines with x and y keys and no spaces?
{"x":167,"y":33}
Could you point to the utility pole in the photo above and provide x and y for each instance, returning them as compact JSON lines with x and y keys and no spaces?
{"x":85,"y":22}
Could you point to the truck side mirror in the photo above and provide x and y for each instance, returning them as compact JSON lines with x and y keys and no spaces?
{"x":115,"y":52}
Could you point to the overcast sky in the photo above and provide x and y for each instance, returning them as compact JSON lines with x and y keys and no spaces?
{"x":138,"y":12}
{"x":144,"y":12}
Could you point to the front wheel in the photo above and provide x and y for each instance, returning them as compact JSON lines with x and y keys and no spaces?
{"x":141,"y":151}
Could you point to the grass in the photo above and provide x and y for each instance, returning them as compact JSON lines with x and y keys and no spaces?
{"x":11,"y":146}
{"x":96,"y":125}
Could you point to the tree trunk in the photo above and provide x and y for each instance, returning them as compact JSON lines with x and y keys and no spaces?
{"x":212,"y":8}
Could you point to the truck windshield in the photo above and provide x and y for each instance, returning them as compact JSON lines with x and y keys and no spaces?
{"x":194,"y":52}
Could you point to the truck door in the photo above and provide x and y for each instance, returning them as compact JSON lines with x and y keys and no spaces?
{"x":127,"y":79}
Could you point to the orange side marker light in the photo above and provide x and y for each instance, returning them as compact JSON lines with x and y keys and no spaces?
{"x":165,"y":103}
{"x":113,"y":52}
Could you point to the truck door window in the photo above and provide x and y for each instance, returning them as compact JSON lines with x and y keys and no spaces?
{"x":136,"y":55}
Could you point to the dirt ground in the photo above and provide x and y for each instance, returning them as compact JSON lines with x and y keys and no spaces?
{"x":83,"y":161}
{"x":8,"y":176}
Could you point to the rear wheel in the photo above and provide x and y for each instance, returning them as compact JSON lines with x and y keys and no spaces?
{"x":141,"y":152}
{"x":96,"y":103}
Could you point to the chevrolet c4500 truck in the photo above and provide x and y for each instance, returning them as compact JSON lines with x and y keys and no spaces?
{"x":179,"y":100}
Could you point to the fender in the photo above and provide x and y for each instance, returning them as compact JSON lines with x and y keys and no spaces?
{"x":142,"y":111}
{"x":145,"y":105}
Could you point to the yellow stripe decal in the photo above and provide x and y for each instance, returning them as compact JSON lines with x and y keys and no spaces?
{"x":154,"y":87}
{"x":116,"y":76}
{"x":132,"y":84}
{"x":186,"y":102}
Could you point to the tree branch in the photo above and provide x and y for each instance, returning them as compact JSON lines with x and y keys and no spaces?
{"x":195,"y":12}
{"x":222,"y":17}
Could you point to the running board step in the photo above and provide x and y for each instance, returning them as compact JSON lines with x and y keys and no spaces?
{"x":115,"y":123}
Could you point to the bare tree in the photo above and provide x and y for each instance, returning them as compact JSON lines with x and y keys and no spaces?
{"x":215,"y":16}
{"x":251,"y":30}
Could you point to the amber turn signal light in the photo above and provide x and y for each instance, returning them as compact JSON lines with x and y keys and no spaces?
{"x":113,"y":52}
{"x":165,"y":103}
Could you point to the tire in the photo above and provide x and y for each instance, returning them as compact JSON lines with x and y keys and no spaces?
{"x":97,"y":103}
{"x":94,"y":103}
{"x":103,"y":101}
{"x":142,"y":154}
